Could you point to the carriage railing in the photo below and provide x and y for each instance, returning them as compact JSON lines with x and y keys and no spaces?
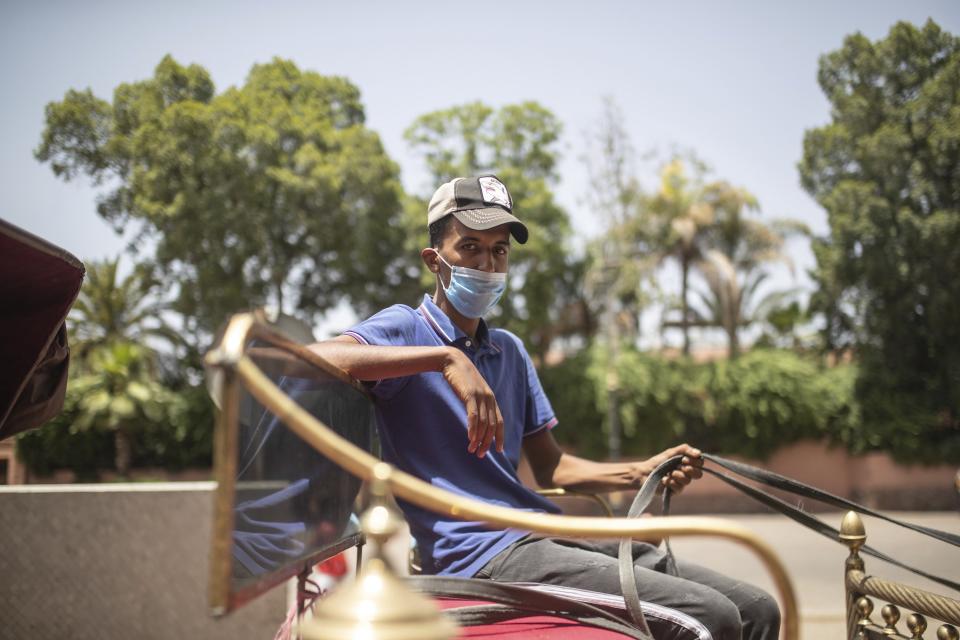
{"x":861,"y":589}
{"x":230,"y":361}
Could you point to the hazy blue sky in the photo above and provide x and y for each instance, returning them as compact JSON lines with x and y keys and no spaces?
{"x":735,"y":81}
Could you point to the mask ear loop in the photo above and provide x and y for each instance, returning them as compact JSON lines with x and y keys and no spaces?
{"x":440,"y":271}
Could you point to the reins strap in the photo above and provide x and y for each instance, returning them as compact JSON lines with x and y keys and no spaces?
{"x":783,"y":483}
{"x":628,"y":581}
{"x":798,"y":515}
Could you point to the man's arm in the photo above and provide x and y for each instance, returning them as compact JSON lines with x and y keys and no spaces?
{"x":554,"y":468}
{"x":371,"y":362}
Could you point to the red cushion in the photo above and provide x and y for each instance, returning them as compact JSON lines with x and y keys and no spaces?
{"x":529,"y":627}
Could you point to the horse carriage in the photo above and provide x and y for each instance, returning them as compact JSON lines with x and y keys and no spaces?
{"x":295,"y":441}
{"x":262,"y":380}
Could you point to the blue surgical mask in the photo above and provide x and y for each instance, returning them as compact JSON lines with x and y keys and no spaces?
{"x":472,"y":292}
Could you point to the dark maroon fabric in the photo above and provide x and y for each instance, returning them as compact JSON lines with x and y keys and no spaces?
{"x":38,"y":283}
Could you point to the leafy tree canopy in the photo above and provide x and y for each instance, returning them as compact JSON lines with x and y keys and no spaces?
{"x":519,"y":144}
{"x":887,"y":171}
{"x":271,"y":192}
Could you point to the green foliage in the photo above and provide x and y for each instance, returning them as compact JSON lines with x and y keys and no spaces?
{"x":519,"y":144}
{"x":274,"y":191}
{"x":121,"y":409}
{"x":770,"y":398}
{"x":56,"y":446}
{"x":118,"y":392}
{"x":783,"y":321}
{"x":575,"y":403}
{"x":110,"y":310}
{"x":749,"y":406}
{"x":177,"y":434}
{"x":887,"y":171}
{"x":184,"y":438}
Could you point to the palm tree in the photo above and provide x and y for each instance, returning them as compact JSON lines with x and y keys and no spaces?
{"x":728,"y":302}
{"x":747,"y":241}
{"x":739,"y":248}
{"x":117,"y":381}
{"x":118,"y":393}
{"x":678,"y":217}
{"x":110,"y":310}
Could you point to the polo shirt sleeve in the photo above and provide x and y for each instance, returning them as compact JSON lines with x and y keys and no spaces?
{"x":539,"y":414}
{"x":393,"y":327}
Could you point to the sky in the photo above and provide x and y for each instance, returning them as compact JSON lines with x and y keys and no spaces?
{"x":733,"y":81}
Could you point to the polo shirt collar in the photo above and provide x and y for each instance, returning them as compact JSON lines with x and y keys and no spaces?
{"x":449,"y":332}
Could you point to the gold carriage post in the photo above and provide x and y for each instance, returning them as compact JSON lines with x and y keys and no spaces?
{"x":230,"y":357}
{"x":860,"y":588}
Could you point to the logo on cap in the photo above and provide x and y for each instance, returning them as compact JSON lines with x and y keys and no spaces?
{"x":494,"y":191}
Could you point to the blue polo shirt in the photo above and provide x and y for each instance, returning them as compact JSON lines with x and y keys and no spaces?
{"x":423,"y":431}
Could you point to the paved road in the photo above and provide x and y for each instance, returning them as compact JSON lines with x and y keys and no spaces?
{"x":815,"y":564}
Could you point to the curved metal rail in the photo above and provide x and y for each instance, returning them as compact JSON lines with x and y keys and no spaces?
{"x":230,"y":355}
{"x":925,"y":602}
{"x":560,"y":492}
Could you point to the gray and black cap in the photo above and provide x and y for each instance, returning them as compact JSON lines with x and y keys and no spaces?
{"x":479,"y":203}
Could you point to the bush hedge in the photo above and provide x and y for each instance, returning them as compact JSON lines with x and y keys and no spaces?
{"x":750,"y":406}
{"x":182,"y":439}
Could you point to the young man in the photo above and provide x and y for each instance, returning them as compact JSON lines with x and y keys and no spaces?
{"x":457,"y":404}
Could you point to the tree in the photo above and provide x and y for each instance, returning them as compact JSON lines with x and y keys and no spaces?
{"x":119,"y":393}
{"x":675,"y":220}
{"x":783,"y":322}
{"x":518,"y":143}
{"x":621,"y":260}
{"x":616,"y":264}
{"x":706,"y":227}
{"x":271,"y":192}
{"x":887,"y":171}
{"x":110,"y":310}
{"x":729,"y":301}
{"x":739,"y":247}
{"x":118,"y":387}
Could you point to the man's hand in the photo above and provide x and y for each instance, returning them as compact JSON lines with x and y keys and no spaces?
{"x":689,"y":470}
{"x":484,"y":422}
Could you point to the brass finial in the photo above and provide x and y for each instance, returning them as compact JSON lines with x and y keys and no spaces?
{"x":377,"y":605}
{"x":890,"y":615}
{"x":917,"y":625}
{"x":947,"y":632}
{"x":852,"y":532}
{"x":864,"y":608}
{"x":380,"y":522}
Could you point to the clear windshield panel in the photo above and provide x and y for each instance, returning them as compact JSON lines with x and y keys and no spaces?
{"x":291,"y":503}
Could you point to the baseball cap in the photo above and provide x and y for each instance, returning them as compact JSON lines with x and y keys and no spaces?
{"x":480,"y":203}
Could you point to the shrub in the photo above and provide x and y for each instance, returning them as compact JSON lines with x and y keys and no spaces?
{"x":751,"y":406}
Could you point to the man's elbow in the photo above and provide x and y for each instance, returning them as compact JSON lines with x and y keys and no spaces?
{"x":545,"y":480}
{"x":546,"y":475}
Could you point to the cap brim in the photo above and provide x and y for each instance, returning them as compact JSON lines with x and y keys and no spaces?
{"x":490,"y":217}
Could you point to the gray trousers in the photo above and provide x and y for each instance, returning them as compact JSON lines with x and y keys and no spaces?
{"x":728,"y":608}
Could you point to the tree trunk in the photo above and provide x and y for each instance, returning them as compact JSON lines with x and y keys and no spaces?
{"x":684,"y":320}
{"x":733,"y":341}
{"x":613,"y":380}
{"x":279,"y":285}
{"x":123,"y":451}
